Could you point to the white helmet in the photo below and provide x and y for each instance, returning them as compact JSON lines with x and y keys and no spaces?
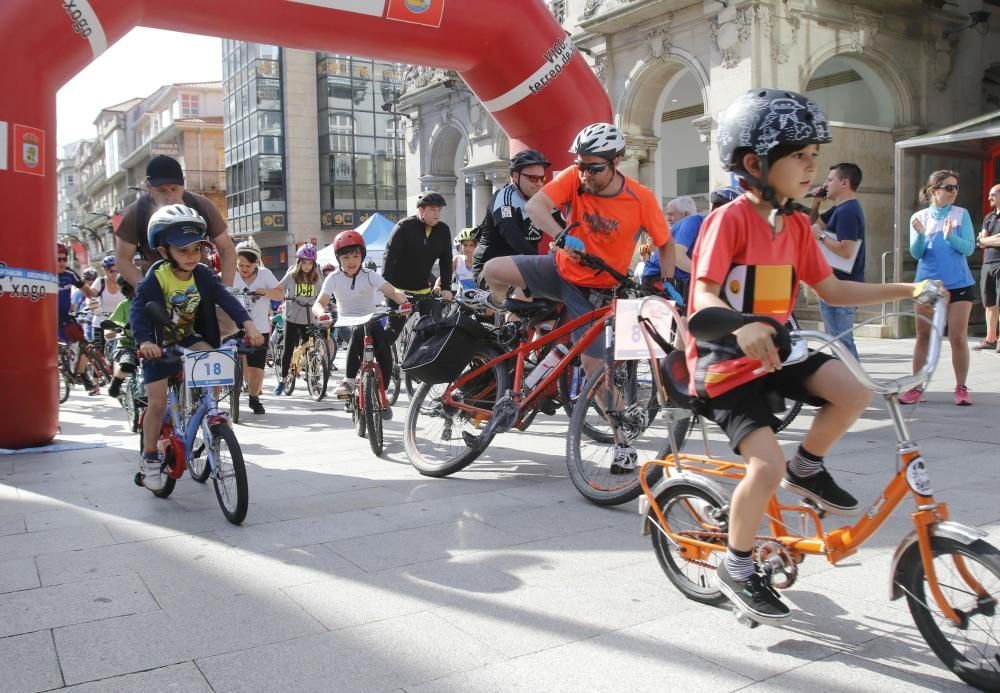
{"x":599,"y":139}
{"x":187,"y":221}
{"x":248,"y":246}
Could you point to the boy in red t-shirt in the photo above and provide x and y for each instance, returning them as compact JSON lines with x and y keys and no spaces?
{"x":750,"y":256}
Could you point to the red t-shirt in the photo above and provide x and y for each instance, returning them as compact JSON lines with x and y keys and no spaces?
{"x":609,"y":226}
{"x":759,"y":273}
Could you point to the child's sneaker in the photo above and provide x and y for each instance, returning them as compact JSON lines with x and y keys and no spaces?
{"x":962,"y":398}
{"x":912,"y":396}
{"x":822,"y":490}
{"x":152,"y":470}
{"x":345,"y":389}
{"x":387,"y":414}
{"x":279,"y":388}
{"x":255,"y":406}
{"x":752,"y":596}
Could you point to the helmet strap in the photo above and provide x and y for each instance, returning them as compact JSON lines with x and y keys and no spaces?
{"x":518,"y":185}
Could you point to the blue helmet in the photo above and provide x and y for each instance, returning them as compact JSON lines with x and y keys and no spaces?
{"x":109,"y":261}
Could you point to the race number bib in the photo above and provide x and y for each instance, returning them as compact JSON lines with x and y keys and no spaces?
{"x":210,"y":368}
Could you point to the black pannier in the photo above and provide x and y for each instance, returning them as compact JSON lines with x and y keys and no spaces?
{"x":442,"y":344}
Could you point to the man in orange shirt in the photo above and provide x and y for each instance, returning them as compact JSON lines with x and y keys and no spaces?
{"x":608,"y":213}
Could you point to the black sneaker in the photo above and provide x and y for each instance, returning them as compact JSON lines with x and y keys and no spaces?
{"x":255,"y":406}
{"x":753,"y":596}
{"x":822,"y":490}
{"x":115,"y":389}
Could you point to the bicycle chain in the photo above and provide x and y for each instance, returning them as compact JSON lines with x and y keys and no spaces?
{"x":715,"y":535}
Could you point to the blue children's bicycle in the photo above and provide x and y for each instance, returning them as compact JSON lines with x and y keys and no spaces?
{"x":196,"y":433}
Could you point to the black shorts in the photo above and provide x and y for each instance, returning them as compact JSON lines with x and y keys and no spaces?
{"x":989,"y":282}
{"x":739,"y":412}
{"x":258,"y":357}
{"x":966,"y":293}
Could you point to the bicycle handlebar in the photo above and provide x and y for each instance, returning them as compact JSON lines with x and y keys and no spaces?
{"x":713,"y":323}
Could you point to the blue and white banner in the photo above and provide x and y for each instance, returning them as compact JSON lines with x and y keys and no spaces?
{"x":33,"y":285}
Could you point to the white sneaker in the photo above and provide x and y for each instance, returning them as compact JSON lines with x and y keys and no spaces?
{"x":624,"y":459}
{"x":152,"y":473}
{"x":345,"y":389}
{"x":479,"y":298}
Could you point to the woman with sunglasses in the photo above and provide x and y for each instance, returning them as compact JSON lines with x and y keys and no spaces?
{"x":941,"y":239}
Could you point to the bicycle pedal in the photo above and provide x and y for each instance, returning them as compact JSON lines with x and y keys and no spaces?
{"x":812,"y":505}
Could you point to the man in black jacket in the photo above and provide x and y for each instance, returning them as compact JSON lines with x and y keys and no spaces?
{"x":413,"y":246}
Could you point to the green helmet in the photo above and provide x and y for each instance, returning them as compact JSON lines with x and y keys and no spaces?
{"x":466,"y":234}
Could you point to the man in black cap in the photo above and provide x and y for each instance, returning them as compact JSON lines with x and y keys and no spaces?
{"x":165,"y":186}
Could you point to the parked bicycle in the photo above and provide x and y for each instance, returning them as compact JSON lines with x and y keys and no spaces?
{"x":948,"y":573}
{"x":369,"y":400}
{"x":195,"y":433}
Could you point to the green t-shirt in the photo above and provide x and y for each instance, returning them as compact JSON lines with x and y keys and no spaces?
{"x":182,"y":301}
{"x":120,"y":318}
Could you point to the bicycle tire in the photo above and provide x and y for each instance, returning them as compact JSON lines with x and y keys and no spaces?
{"x":373,"y":411}
{"x":236,"y":390}
{"x":317,"y":370}
{"x":424,"y":447}
{"x":963,"y":599}
{"x":411,"y":385}
{"x":357,"y":417}
{"x":279,"y":352}
{"x":589,"y":462}
{"x":198,"y":466}
{"x":64,"y":387}
{"x":331,"y":351}
{"x":290,"y":378}
{"x":392,"y":387}
{"x":234,"y":502}
{"x":168,"y":481}
{"x":703,"y":511}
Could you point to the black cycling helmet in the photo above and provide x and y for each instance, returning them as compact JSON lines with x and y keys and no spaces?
{"x":525,"y":158}
{"x":721,"y":196}
{"x":762,"y":119}
{"x":429,"y":198}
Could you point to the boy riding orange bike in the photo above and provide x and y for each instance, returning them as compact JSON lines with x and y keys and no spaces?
{"x":750,"y":257}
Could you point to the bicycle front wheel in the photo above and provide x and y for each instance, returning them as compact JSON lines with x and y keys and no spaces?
{"x":604,"y":453}
{"x":434,"y":428}
{"x":689,"y":510}
{"x":392,"y":387}
{"x":230,"y":477}
{"x":236,"y":390}
{"x":63,"y":385}
{"x":198,"y":466}
{"x":373,"y":411}
{"x":318,"y":371}
{"x":969,"y":578}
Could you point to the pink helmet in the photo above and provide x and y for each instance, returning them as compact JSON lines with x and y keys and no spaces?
{"x":307,"y":251}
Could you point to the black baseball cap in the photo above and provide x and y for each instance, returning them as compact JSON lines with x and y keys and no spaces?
{"x":164,"y":170}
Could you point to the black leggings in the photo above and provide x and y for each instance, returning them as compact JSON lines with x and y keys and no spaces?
{"x":294,"y":335}
{"x":383,"y":351}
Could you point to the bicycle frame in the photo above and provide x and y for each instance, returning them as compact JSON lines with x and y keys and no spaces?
{"x":910,"y":478}
{"x":533,"y":398}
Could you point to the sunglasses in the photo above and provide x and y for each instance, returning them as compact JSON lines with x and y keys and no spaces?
{"x":590,"y":168}
{"x":947,"y":188}
{"x":533,"y":179}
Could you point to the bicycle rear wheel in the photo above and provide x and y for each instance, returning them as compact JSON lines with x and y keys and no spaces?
{"x":972,"y":650}
{"x":433,"y":430}
{"x":591,"y":446}
{"x":373,"y":411}
{"x":236,"y":390}
{"x":392,"y":387}
{"x":230,"y":477}
{"x":691,"y":510}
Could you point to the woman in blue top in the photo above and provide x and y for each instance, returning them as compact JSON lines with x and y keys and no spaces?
{"x":941,"y":238}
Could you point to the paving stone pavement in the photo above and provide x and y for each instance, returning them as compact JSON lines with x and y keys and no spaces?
{"x":354,"y":573}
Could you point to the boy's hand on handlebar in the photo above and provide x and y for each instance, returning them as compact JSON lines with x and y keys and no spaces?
{"x":757,"y":342}
{"x":253,"y":335}
{"x":150,"y":350}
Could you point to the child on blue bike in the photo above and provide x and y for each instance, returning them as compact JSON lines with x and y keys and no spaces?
{"x":189,"y":292}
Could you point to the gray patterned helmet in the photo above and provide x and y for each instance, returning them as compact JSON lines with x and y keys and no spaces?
{"x":762,"y":119}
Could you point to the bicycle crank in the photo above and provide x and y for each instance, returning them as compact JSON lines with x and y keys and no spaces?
{"x":504,"y":416}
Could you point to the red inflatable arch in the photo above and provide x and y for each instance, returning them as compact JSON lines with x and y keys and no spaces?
{"x":513,"y":55}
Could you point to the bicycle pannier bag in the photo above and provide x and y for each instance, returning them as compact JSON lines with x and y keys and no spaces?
{"x":442,"y":346}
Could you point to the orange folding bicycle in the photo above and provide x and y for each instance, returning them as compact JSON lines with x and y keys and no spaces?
{"x":948,"y":572}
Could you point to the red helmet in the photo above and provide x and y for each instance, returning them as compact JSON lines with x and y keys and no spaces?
{"x":346,"y":241}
